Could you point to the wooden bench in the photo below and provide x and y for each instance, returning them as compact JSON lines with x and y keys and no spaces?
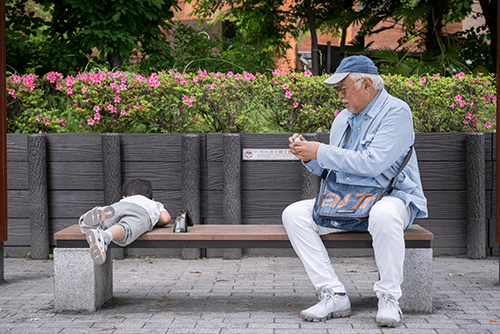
{"x":74,"y":267}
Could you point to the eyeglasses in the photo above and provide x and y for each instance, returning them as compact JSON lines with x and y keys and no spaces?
{"x":342,"y":89}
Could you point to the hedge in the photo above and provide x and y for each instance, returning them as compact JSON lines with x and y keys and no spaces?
{"x":172,"y":102}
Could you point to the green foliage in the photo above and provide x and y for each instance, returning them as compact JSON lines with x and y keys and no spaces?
{"x":62,"y":35}
{"x":196,"y":48}
{"x":452,"y":104}
{"x":208,"y":102}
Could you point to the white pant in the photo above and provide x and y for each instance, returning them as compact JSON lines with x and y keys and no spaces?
{"x":388,"y":219}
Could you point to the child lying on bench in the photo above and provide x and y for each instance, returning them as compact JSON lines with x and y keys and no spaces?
{"x":124,"y":221}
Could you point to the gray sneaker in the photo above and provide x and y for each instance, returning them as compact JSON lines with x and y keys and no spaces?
{"x":389,"y":314}
{"x":97,"y":245}
{"x":330,"y":305}
{"x":97,"y":215}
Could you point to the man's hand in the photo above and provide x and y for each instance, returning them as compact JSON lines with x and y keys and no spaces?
{"x":303,"y":149}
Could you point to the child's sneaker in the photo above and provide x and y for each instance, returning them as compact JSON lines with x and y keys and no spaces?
{"x":97,"y":215}
{"x":98,"y":246}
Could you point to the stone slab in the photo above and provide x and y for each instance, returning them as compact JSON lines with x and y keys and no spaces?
{"x":79,"y":284}
{"x":417,"y":281}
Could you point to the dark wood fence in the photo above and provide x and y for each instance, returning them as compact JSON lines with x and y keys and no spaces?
{"x":75,"y":173}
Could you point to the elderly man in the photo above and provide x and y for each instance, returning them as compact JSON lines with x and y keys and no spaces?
{"x":369,"y":141}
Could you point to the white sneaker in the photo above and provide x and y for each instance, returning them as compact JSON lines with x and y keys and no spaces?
{"x":97,"y":245}
{"x":389,"y":314}
{"x":330,"y":305}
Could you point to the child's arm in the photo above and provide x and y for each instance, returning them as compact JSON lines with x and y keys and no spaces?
{"x":164,"y":218}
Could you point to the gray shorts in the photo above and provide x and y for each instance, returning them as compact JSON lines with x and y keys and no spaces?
{"x":131,"y":217}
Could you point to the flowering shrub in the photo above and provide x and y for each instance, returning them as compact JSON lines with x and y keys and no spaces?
{"x":229,"y":102}
{"x":453,"y":104}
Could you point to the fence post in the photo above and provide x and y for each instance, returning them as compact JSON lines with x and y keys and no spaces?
{"x":3,"y":139}
{"x":231,"y":198}
{"x":112,"y":177}
{"x":310,"y":181}
{"x":476,"y":215}
{"x":191,"y":185}
{"x":37,"y":180}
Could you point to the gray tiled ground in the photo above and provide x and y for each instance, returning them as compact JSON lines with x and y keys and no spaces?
{"x":253,"y":295}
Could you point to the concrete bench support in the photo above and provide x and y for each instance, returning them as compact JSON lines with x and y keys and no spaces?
{"x":417,"y":281}
{"x":79,"y":284}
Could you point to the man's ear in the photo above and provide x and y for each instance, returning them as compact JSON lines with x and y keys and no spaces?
{"x":368,"y":83}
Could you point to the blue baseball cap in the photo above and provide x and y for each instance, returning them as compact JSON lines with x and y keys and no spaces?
{"x":352,"y":64}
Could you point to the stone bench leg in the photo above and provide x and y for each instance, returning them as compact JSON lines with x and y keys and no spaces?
{"x":417,"y":281}
{"x":80,"y":285}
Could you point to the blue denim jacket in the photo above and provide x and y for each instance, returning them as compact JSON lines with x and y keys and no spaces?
{"x":379,"y":140}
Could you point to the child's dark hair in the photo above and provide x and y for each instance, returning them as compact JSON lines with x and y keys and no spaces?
{"x":138,"y":187}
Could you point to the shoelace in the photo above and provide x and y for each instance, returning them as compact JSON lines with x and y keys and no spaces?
{"x":326,"y":295}
{"x":389,"y":303}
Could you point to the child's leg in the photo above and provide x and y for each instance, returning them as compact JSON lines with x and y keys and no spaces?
{"x":116,"y":231}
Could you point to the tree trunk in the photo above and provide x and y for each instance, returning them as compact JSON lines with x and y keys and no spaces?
{"x":435,"y":23}
{"x":115,"y":60}
{"x":314,"y":39}
{"x":489,"y":8}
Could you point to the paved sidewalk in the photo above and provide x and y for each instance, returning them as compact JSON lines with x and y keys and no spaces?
{"x":252,"y":295}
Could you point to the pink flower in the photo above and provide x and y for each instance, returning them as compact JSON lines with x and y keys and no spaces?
{"x":336,"y":112}
{"x":307,"y":73}
{"x":486,"y":83}
{"x":494,"y":99}
{"x":488,"y":124}
{"x":84,"y":90}
{"x":436,"y":77}
{"x":453,"y":105}
{"x":97,"y":116}
{"x":410,"y":83}
{"x":472,"y":104}
{"x":295,"y":104}
{"x":122,"y":112}
{"x":185,"y":99}
{"x":111,"y":108}
{"x":213,"y":86}
{"x":285,"y":86}
{"x":13,"y":93}
{"x":90,"y":121}
{"x":462,"y":103}
{"x":465,"y":121}
{"x":69,"y":91}
{"x":61,"y":121}
{"x":423,"y":80}
{"x":461,"y":75}
{"x":288,"y":94}
{"x":190,"y":104}
{"x":458,"y":98}
{"x":46,"y":121}
{"x":96,"y":108}
{"x":39,"y":119}
{"x":117,"y":99}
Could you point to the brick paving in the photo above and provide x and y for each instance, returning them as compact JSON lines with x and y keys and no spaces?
{"x":256,"y":295}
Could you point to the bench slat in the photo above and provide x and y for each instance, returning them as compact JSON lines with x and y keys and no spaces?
{"x":243,"y":236}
